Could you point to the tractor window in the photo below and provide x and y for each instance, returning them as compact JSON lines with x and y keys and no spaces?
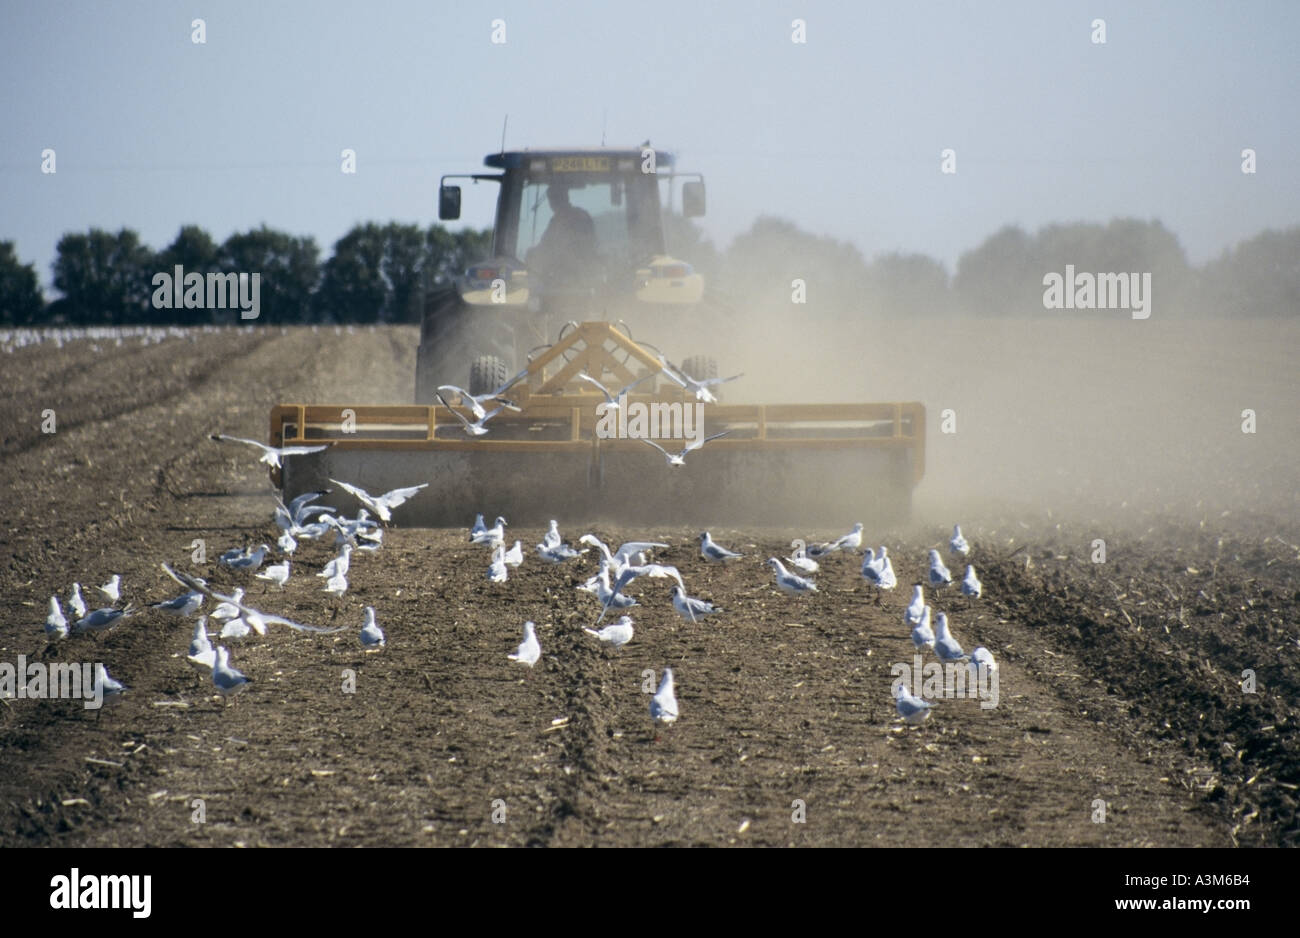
{"x":605,"y":223}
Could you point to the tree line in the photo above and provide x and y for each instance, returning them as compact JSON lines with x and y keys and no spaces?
{"x":384,"y":273}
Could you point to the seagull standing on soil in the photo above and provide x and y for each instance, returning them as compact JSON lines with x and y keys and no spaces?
{"x":851,"y":541}
{"x":250,"y":561}
{"x":552,"y":537}
{"x":912,"y":614}
{"x":616,"y":634}
{"x":663,"y":705}
{"x":276,"y":573}
{"x":271,"y":455}
{"x":558,"y":554}
{"x":227,"y":680}
{"x":497,"y":572}
{"x":981,"y":659}
{"x":226,"y":610}
{"x":790,"y":582}
{"x":337,"y":585}
{"x":257,"y":619}
{"x":56,"y":626}
{"x":184,"y":605}
{"x":959,"y":546}
{"x":491,"y":537}
{"x":680,"y":459}
{"x":939,"y":575}
{"x":971,"y":586}
{"x":372,"y":637}
{"x":339,"y":564}
{"x":529,"y":650}
{"x":715,"y":553}
{"x":99,"y":620}
{"x":202,"y":656}
{"x":688,"y":607}
{"x":381,"y":505}
{"x":479,"y":527}
{"x":913,"y":710}
{"x":77,"y":605}
{"x":605,"y":593}
{"x":801,"y":560}
{"x":922,"y":634}
{"x":111,"y":690}
{"x":945,"y":646}
{"x":113,"y":588}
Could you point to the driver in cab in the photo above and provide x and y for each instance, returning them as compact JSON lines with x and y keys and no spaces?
{"x":567,"y":248}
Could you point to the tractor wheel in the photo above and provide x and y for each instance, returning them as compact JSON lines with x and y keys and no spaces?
{"x":486,"y":374}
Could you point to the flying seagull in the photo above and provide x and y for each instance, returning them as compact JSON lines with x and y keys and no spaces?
{"x":271,"y":455}
{"x":680,"y":458}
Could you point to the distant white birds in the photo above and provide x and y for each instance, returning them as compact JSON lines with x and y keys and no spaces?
{"x":492,"y":536}
{"x":981,"y":660}
{"x":688,"y":607}
{"x":958,"y":545}
{"x":878,"y":571}
{"x":110,"y":689}
{"x":945,"y":646}
{"x":113,"y":588}
{"x":663,"y":705}
{"x":292,"y":517}
{"x":515,"y":555}
{"x":99,"y":620}
{"x":381,"y":505}
{"x":613,"y":399}
{"x":529,"y":650}
{"x":698,"y":387}
{"x":202,"y":656}
{"x":713,"y":552}
{"x":277,"y":573}
{"x":970,"y":584}
{"x":56,"y":626}
{"x":497,"y":572}
{"x":183,"y":605}
{"x":922,"y":634}
{"x":226,"y":679}
{"x":476,"y":428}
{"x":939,"y":575}
{"x":372,"y":636}
{"x":616,"y":634}
{"x":256,"y":618}
{"x":251,"y":560}
{"x":912,"y":614}
{"x":271,"y":455}
{"x":790,"y":582}
{"x":913,"y":710}
{"x":680,"y":459}
{"x":77,"y":605}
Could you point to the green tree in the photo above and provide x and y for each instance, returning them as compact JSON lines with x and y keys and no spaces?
{"x":21,"y":302}
{"x":104,"y":277}
{"x":289,"y":271}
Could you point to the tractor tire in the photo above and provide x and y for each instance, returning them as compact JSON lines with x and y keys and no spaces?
{"x":486,"y":374}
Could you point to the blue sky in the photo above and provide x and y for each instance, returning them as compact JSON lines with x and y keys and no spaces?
{"x":841,"y":134}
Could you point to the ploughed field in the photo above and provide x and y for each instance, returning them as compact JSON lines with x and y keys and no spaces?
{"x":1120,"y":717}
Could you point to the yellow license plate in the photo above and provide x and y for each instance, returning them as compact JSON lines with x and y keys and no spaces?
{"x":580,"y":164}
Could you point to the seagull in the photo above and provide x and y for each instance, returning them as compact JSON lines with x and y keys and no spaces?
{"x":297,"y":512}
{"x":497,"y":571}
{"x":372,"y":637}
{"x":227,"y":610}
{"x":663,"y":705}
{"x":958,"y":545}
{"x":235,"y":629}
{"x":235,"y":553}
{"x":608,"y":598}
{"x":110,"y":689}
{"x":922,"y":634}
{"x":800,"y":559}
{"x":613,"y":399}
{"x":715,"y":553}
{"x":820,"y":550}
{"x":257,"y":619}
{"x":339,"y":564}
{"x":700,"y":388}
{"x":56,"y":626}
{"x":945,"y":646}
{"x":680,"y":458}
{"x":912,"y":615}
{"x":528,"y":651}
{"x":790,"y":582}
{"x":981,"y":659}
{"x":276,"y":573}
{"x":616,"y":634}
{"x":250,"y":561}
{"x":202,"y":656}
{"x":851,"y":541}
{"x":878,"y":571}
{"x":77,"y":605}
{"x":99,"y":620}
{"x":480,"y":527}
{"x":185,"y":604}
{"x":627,"y":554}
{"x":286,"y":543}
{"x":226,"y":679}
{"x":381,"y":505}
{"x":689,"y":607}
{"x":337,"y":585}
{"x":630,"y":573}
{"x":113,"y":588}
{"x":551,"y":538}
{"x":515,"y":555}
{"x":888,"y":579}
{"x":558,"y":554}
{"x":492,"y":536}
{"x":475,"y":402}
{"x":970,"y":585}
{"x":939,"y":575}
{"x":271,"y":455}
{"x":914,"y":710}
{"x":476,"y":428}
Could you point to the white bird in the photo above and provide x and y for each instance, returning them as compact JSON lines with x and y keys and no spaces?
{"x":497,"y":572}
{"x":111,"y":691}
{"x":271,"y":455}
{"x":819,"y":550}
{"x":56,"y":626}
{"x":558,"y":554}
{"x":912,"y":614}
{"x":113,"y":588}
{"x":529,"y":650}
{"x":888,"y":579}
{"x":790,"y":582}
{"x":227,"y":610}
{"x":276,"y":573}
{"x":613,"y":399}
{"x":914,"y":710}
{"x":688,"y":607}
{"x":970,"y":584}
{"x":713,"y":552}
{"x":295,"y":514}
{"x":631,"y":553}
{"x":235,"y":629}
{"x":945,"y":646}
{"x":476,"y":428}
{"x":680,"y":459}
{"x":922,"y":634}
{"x":337,"y":585}
{"x":492,"y":536}
{"x":479,"y":527}
{"x":630,"y":573}
{"x":226,"y":679}
{"x":663,"y":705}
{"x":515,"y":555}
{"x":475,"y":401}
{"x":372,"y":637}
{"x":183,"y":605}
{"x":286,"y":543}
{"x":700,"y":388}
{"x":982,"y":659}
{"x":339,"y":564}
{"x":99,"y":620}
{"x":551,"y":538}
{"x":851,"y":541}
{"x":605,"y":593}
{"x":381,"y":505}
{"x":77,"y":605}
{"x":202,"y":656}
{"x":256,"y":618}
{"x":878,"y":571}
{"x":939,"y":575}
{"x":616,"y":634}
{"x":250,"y":561}
{"x":958,"y":545}
{"x":800,"y":559}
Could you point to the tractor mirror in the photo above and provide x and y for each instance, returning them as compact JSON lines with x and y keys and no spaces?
{"x":692,"y":199}
{"x":449,"y":203}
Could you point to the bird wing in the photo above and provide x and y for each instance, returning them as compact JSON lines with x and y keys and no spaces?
{"x":713,"y":381}
{"x":636,"y":382}
{"x":399,"y":496}
{"x":296,"y":450}
{"x":509,"y":384}
{"x":455,"y":413}
{"x":361,"y":494}
{"x":583,"y":376}
{"x":466,"y":399}
{"x":667,"y":455}
{"x":698,"y":443}
{"x":239,"y":439}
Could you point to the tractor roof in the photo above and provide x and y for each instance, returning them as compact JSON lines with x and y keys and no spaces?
{"x":518,"y":159}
